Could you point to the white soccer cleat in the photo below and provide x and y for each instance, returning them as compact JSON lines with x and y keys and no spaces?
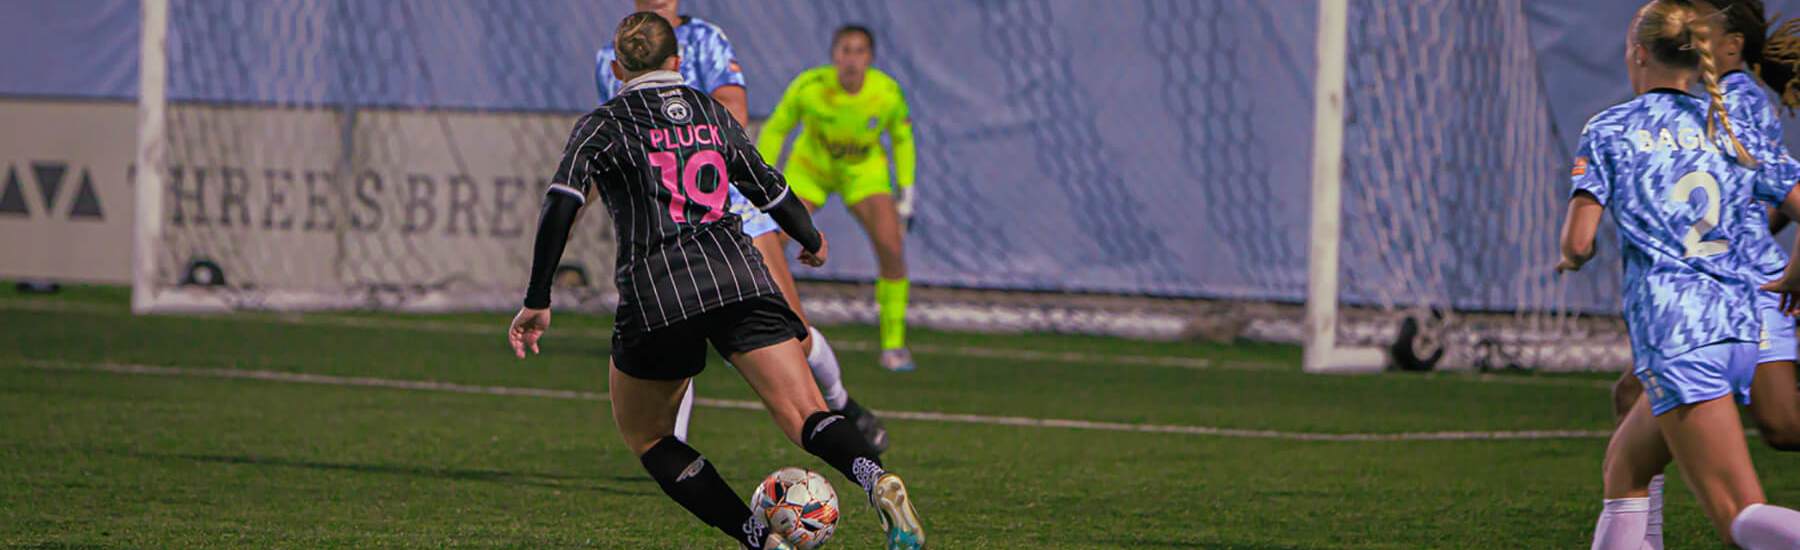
{"x":897,"y":360}
{"x":898,"y":518}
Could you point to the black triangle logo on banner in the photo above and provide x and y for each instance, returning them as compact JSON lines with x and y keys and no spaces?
{"x":49,"y":179}
{"x":12,"y":199}
{"x":87,"y":204}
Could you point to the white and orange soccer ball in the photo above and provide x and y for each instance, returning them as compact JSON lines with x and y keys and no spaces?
{"x":799,"y":505}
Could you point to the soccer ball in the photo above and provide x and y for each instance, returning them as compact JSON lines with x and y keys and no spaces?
{"x":799,"y":505}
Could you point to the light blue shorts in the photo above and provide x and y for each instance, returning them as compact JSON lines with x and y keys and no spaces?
{"x":1703,"y":374}
{"x":756,"y":223}
{"x":1777,"y":342}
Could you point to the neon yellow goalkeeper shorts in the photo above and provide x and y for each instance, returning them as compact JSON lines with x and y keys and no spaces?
{"x":815,"y":176}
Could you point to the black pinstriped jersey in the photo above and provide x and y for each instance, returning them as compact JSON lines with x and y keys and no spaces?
{"x":661,"y":156}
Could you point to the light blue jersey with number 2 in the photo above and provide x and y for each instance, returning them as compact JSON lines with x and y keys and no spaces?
{"x":1681,"y":202}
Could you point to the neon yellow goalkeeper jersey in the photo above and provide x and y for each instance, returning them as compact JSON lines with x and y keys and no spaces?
{"x":840,"y":136}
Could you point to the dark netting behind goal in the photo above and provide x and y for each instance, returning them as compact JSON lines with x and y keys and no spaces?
{"x":1454,"y":191}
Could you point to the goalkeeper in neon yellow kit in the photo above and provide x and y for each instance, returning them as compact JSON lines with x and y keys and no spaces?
{"x":843,"y":109}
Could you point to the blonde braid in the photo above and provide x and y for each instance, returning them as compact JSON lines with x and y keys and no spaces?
{"x":1703,"y":48}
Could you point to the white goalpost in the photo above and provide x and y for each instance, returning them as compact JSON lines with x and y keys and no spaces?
{"x":1321,"y":352}
{"x":151,"y":147}
{"x":1438,"y":184}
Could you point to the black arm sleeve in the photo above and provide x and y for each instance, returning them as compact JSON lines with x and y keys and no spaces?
{"x":552,"y":236}
{"x":794,"y":220}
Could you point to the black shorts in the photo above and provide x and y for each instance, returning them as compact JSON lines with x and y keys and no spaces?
{"x":678,"y":351}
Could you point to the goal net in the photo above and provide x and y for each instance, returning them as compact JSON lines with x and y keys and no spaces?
{"x":296,"y":158}
{"x":1453,"y":187}
{"x":331,"y":154}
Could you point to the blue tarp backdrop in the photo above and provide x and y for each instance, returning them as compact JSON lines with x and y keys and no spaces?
{"x":1153,"y":147}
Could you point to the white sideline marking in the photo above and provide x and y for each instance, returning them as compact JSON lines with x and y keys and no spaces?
{"x":927,"y":416}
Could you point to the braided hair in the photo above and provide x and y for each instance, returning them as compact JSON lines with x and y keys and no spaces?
{"x":1676,"y":33}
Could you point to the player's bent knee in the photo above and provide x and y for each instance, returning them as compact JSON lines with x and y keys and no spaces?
{"x":640,"y":443}
{"x":792,"y":421}
{"x":640,"y":438}
{"x":790,"y":415}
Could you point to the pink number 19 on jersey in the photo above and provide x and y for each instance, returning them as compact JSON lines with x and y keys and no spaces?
{"x":689,"y":186}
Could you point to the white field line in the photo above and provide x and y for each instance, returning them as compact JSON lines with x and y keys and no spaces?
{"x":926,"y":416}
{"x":980,"y":352}
{"x":498,"y":329}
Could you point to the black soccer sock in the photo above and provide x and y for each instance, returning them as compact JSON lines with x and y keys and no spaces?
{"x":691,"y":480}
{"x":833,"y":437}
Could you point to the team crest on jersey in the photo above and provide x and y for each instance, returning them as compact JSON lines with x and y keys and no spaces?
{"x":677,"y":110}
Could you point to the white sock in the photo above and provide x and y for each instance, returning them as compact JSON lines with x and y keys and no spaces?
{"x":686,"y":412}
{"x":1653,"y":521}
{"x":825,"y":371}
{"x":1762,"y":526}
{"x":1621,"y":525}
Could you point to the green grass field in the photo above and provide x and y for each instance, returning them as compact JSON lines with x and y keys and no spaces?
{"x":96,"y":458}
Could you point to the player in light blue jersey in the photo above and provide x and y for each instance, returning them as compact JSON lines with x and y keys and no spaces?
{"x":711,"y":66}
{"x":1739,"y":43}
{"x":707,"y":60}
{"x":1680,"y":184}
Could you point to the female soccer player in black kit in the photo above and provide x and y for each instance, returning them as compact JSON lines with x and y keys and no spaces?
{"x":660,"y":156}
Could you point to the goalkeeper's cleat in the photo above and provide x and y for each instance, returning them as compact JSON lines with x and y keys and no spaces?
{"x":898,"y":518}
{"x":897,"y":360}
{"x":867,"y":423}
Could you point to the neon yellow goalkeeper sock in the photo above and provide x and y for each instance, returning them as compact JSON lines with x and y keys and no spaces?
{"x":890,"y":294}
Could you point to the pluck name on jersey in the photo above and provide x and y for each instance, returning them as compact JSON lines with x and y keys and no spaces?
{"x":686,"y":135}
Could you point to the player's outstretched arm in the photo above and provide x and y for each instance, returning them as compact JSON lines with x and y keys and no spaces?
{"x":790,"y":213}
{"x":1591,"y":180}
{"x":775,"y":130}
{"x":900,"y":133}
{"x":1579,"y":228}
{"x":572,"y":184}
{"x":767,"y":189}
{"x":554,"y":224}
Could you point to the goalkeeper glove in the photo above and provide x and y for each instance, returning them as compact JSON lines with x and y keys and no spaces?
{"x":903,"y":203}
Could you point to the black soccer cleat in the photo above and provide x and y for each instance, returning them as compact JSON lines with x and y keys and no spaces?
{"x":867,"y":423}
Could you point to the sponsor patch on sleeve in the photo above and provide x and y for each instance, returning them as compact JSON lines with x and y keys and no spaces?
{"x":1580,"y":169}
{"x":735,"y":68}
